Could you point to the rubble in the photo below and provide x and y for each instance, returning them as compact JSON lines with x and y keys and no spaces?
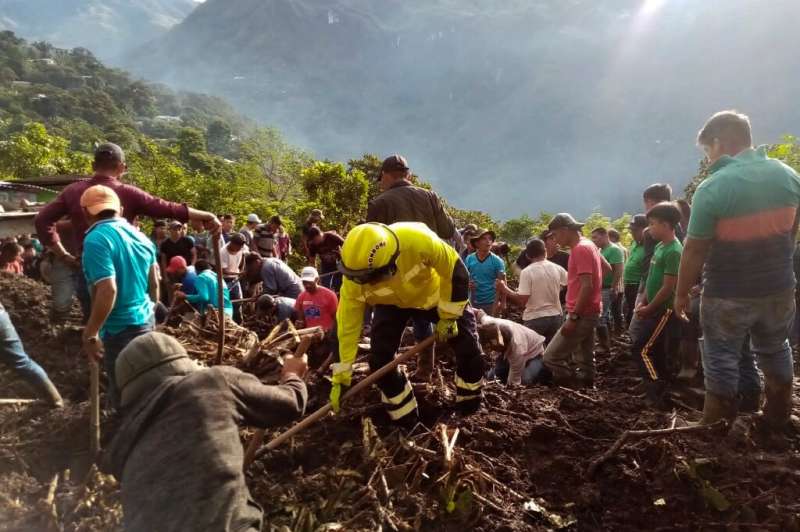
{"x":521,"y":463}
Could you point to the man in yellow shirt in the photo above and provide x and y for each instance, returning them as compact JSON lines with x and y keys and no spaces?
{"x":405,"y":271}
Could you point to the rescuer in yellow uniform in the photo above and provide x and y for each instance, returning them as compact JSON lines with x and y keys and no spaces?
{"x":405,"y":270}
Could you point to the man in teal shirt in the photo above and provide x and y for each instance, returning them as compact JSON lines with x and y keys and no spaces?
{"x":485,"y":268}
{"x":119,"y":264}
{"x":613,"y":255}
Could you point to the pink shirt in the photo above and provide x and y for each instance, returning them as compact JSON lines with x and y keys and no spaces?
{"x":318,"y":309}
{"x":15,"y":266}
{"x":584,"y":258}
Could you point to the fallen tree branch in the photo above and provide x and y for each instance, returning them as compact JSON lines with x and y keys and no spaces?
{"x":355,"y":390}
{"x":18,"y":401}
{"x":639,"y":434}
{"x":579,"y":394}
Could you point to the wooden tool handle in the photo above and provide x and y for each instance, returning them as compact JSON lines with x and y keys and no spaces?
{"x":94,"y":404}
{"x":355,"y":390}
{"x":220,"y":297}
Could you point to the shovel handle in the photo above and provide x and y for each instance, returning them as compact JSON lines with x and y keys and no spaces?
{"x":355,"y":390}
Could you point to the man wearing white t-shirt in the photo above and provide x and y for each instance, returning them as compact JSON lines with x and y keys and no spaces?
{"x":232,"y":258}
{"x":540,"y":284}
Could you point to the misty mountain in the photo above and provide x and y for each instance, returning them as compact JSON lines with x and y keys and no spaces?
{"x":106,"y":27}
{"x":515,"y":106}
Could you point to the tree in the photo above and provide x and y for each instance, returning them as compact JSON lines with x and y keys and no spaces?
{"x":33,"y":152}
{"x":219,"y":137}
{"x":463,"y":217}
{"x":341,"y":195}
{"x":279,"y":164}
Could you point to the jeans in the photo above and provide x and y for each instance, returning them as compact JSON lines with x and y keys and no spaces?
{"x":749,"y":376}
{"x":605,"y":316}
{"x":333,"y":281}
{"x":235,"y":289}
{"x":726,"y":323}
{"x":63,"y":281}
{"x":631,"y":292}
{"x":547,"y":326}
{"x":532,"y":369}
{"x":577,"y":348}
{"x":13,"y":354}
{"x":616,"y":310}
{"x":113,"y":345}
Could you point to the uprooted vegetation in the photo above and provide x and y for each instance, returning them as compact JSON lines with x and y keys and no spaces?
{"x":522,"y":463}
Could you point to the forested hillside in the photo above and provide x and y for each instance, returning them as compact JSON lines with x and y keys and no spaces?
{"x":107,"y":27}
{"x":56,"y":104}
{"x":572,"y":104}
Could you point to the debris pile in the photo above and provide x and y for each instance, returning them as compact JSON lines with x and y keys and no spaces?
{"x":199,"y":334}
{"x":524,"y":462}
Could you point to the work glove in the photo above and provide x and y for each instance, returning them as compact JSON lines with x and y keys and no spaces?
{"x":446,"y":329}
{"x":342,"y":373}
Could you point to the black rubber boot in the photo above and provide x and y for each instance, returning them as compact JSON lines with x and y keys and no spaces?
{"x":778,"y":406}
{"x":48,"y":392}
{"x":716,"y":407}
{"x":604,"y":339}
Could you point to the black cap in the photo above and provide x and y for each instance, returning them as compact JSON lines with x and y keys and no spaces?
{"x":394,"y":163}
{"x":175,"y":224}
{"x":564,"y":220}
{"x":639,"y":220}
{"x":238,"y":239}
{"x":108,"y":152}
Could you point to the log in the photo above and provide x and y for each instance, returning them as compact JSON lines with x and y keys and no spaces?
{"x":220,"y":297}
{"x":355,"y":390}
{"x":638,"y":434}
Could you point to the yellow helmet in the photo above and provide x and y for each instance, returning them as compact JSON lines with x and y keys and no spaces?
{"x":369,"y":253}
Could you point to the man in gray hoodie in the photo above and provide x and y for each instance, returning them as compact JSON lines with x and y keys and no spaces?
{"x":177,"y":453}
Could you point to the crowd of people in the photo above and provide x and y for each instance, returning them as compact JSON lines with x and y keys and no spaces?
{"x":718,"y":273}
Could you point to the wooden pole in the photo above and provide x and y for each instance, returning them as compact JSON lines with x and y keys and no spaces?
{"x":94,"y":405}
{"x":258,"y":437}
{"x":18,"y":401}
{"x":355,"y":390}
{"x":220,"y":297}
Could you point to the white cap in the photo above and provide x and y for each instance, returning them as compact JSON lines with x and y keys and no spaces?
{"x":253,"y":219}
{"x":309,"y":274}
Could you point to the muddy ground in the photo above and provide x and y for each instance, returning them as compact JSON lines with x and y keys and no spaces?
{"x":521,"y":463}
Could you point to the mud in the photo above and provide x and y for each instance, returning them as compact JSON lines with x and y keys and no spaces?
{"x":520,"y":463}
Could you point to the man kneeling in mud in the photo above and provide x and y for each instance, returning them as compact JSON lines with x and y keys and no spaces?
{"x":177,"y":452}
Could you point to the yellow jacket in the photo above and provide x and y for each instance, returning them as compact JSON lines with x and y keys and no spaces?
{"x":424,"y":280}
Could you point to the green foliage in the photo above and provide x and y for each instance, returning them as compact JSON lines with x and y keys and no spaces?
{"x":479,"y":218}
{"x":341,"y":194}
{"x":266,"y":154}
{"x":517,"y":231}
{"x":788,"y":151}
{"x":65,"y":88}
{"x":33,"y":152}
